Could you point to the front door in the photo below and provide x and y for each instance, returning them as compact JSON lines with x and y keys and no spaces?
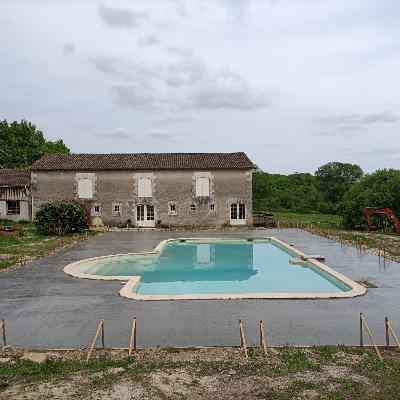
{"x":238,"y":214}
{"x":145,"y":216}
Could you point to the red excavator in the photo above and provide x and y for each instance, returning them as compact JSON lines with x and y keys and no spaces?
{"x":387,"y":211}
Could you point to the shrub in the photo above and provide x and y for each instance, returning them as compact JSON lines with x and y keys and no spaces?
{"x":85,"y":209}
{"x":60,"y":217}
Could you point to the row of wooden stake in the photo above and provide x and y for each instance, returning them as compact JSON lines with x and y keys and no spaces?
{"x":263,"y":344}
{"x":388,"y":328}
{"x":382,"y":249}
{"x":47,"y":249}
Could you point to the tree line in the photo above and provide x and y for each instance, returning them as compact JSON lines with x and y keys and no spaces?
{"x":335,"y":188}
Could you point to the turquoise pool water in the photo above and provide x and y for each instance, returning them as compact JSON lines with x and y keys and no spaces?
{"x":200,"y":267}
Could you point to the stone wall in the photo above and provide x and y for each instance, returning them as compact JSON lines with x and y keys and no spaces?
{"x":120,"y":188}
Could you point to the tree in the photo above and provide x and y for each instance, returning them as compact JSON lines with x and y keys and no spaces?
{"x":21,"y":144}
{"x":380,"y":189}
{"x":334,"y":179}
{"x":261,"y":188}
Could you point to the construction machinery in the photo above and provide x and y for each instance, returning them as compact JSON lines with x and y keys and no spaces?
{"x":387,"y":211}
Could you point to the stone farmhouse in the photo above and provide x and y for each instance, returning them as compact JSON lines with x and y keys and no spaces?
{"x":15,"y":199}
{"x":178,"y":189}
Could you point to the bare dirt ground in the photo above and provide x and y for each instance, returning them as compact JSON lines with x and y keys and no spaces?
{"x":216,"y":373}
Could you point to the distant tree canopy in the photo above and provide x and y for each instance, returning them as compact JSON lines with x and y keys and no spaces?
{"x":334,"y":179}
{"x":303,"y":192}
{"x":21,"y":144}
{"x":380,"y":189}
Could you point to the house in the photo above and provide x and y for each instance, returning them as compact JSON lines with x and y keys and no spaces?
{"x":178,"y":189}
{"x":15,"y":197}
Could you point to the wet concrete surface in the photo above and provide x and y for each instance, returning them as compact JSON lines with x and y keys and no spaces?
{"x":45,"y":308}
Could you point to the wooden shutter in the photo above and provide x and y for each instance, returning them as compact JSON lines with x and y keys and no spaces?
{"x":144,"y":188}
{"x":147,"y":188}
{"x":85,"y":189}
{"x":202,"y":187}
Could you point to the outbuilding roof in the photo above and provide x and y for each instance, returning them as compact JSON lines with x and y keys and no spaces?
{"x":15,"y":177}
{"x":142,"y":161}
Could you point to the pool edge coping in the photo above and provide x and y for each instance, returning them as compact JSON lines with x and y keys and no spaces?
{"x":133,"y":281}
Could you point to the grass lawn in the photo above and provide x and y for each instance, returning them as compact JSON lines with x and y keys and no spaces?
{"x":32,"y":242}
{"x":313,"y":218}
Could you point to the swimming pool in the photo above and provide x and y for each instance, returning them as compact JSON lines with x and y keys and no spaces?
{"x":222,"y":268}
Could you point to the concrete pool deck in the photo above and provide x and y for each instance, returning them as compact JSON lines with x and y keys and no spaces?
{"x":45,"y":308}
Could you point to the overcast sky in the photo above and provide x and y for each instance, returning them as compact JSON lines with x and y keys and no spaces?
{"x":295,"y":84}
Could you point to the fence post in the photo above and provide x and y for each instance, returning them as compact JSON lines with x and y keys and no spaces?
{"x":3,"y":325}
{"x":133,"y":337}
{"x":387,"y":333}
{"x":242,"y":339}
{"x":262,"y":338}
{"x":361,"y":332}
{"x":101,"y":326}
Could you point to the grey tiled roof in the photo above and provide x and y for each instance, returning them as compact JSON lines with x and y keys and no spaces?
{"x":142,"y":161}
{"x":15,"y":177}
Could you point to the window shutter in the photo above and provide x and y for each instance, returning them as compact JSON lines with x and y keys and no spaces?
{"x":206,"y":187}
{"x":89,"y":188}
{"x":199,"y":187}
{"x":202,"y":187}
{"x":81,"y":189}
{"x":147,"y":189}
{"x":144,"y":188}
{"x":141,"y":189}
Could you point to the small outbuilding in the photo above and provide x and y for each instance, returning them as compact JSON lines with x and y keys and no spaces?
{"x":15,"y":196}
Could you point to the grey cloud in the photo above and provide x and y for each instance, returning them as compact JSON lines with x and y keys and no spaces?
{"x":135,"y":97}
{"x":117,"y":133}
{"x":236,"y":9}
{"x":348,"y":131}
{"x":164,"y":134}
{"x":185,"y":52}
{"x":187,"y":83}
{"x":385,"y":116}
{"x":377,"y":152}
{"x":150,"y":40}
{"x":174,"y":118}
{"x":117,"y":17}
{"x":68,"y":48}
{"x":180,"y":7}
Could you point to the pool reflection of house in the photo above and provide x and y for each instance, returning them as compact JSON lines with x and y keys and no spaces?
{"x":208,"y":262}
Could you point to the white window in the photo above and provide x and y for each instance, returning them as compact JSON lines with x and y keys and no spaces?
{"x":85,"y":189}
{"x":144,"y":188}
{"x":212,"y":207}
{"x":202,"y":187}
{"x":193,"y":207}
{"x":172,"y":207}
{"x":116,"y":209}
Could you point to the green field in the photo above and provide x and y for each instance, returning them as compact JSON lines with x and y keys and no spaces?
{"x":313,"y":218}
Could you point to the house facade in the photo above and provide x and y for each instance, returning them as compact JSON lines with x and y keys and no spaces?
{"x":178,"y":189}
{"x":15,"y":198}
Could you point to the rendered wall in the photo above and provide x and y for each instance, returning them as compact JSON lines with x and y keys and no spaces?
{"x":24,"y":211}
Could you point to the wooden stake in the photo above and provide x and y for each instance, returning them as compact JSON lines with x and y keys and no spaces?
{"x":278,"y":224}
{"x":387,"y":333}
{"x":361,"y":332}
{"x":391,"y":330}
{"x":242,"y":339}
{"x":102,"y":335}
{"x":3,"y":325}
{"x":95,"y":338}
{"x":133,"y":337}
{"x":262,"y":338}
{"x":370,"y":335}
